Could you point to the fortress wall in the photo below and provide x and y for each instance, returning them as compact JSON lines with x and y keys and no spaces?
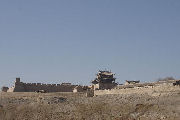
{"x":150,"y":90}
{"x":32,"y":87}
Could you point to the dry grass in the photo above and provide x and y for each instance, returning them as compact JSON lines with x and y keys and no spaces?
{"x":69,"y":106}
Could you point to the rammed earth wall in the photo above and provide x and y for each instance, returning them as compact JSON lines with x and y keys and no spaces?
{"x":154,"y":90}
{"x":32,"y":87}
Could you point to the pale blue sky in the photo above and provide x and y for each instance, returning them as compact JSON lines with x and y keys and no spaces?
{"x":54,"y":41}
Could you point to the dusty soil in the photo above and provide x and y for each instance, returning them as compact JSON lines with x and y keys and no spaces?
{"x":71,"y":106}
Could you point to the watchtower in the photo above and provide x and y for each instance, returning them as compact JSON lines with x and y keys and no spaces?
{"x":17,"y":80}
{"x":104,"y":80}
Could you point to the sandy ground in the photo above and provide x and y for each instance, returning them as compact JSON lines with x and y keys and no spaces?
{"x":76,"y":106}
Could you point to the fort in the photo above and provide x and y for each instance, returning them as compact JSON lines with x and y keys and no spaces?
{"x":132,"y":100}
{"x":104,"y":83}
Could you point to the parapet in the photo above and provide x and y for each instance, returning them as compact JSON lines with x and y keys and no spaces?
{"x":66,"y":84}
{"x":30,"y":87}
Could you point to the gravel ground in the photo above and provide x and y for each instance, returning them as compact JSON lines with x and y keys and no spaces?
{"x":76,"y":106}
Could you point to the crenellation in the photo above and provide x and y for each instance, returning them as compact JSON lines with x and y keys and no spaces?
{"x":32,"y":87}
{"x":28,"y":84}
{"x":39,"y":84}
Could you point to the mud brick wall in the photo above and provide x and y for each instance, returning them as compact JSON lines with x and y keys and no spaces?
{"x":32,"y":87}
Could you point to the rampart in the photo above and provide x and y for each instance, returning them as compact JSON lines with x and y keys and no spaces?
{"x":32,"y":87}
{"x":153,"y":89}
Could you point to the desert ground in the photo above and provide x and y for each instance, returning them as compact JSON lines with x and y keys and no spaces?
{"x":76,"y":106}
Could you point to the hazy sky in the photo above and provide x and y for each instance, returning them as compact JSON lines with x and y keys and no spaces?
{"x":54,"y":41}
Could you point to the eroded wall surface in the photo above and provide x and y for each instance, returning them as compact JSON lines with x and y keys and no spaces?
{"x":32,"y":87}
{"x":153,"y":90}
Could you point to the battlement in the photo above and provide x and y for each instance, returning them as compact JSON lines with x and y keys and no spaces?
{"x":32,"y":87}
